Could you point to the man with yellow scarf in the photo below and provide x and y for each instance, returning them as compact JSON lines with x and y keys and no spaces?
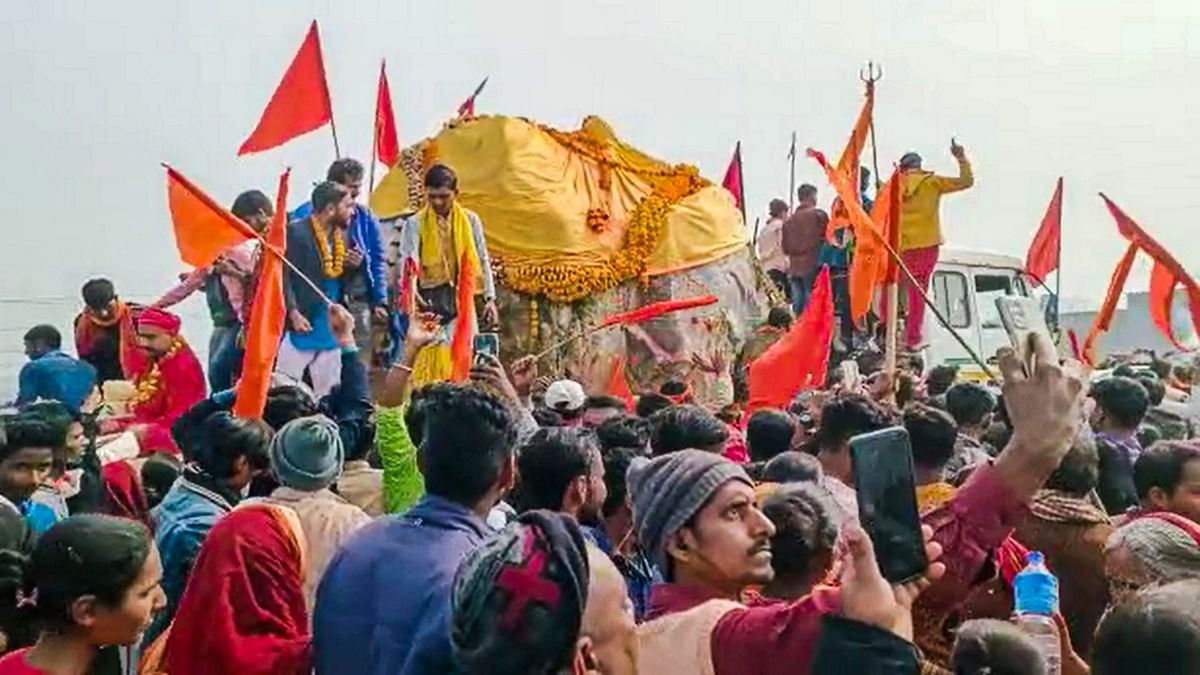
{"x":435,"y":243}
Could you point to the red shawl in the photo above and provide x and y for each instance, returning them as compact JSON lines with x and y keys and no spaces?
{"x":1183,"y":523}
{"x":182,"y":386}
{"x":89,"y":329}
{"x":243,"y":610}
{"x":123,"y":495}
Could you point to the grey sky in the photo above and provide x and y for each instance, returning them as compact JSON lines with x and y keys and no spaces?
{"x":98,"y":93}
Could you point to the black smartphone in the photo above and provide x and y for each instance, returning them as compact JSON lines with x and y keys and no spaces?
{"x":887,"y":502}
{"x":487,"y":343}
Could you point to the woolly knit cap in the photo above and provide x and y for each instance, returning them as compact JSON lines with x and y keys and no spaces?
{"x":307,"y":453}
{"x":668,"y":490}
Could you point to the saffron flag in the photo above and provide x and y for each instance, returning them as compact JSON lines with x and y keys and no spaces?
{"x":1046,"y":248}
{"x":1103,"y":318}
{"x":466,"y":109}
{"x":387,"y":142}
{"x":733,"y":177}
{"x":1166,"y":275}
{"x":799,"y":359}
{"x":203,"y":229}
{"x":264,"y":329}
{"x":462,"y":343}
{"x":300,"y":103}
{"x":848,"y":163}
{"x":618,"y":386}
{"x":656,"y":309}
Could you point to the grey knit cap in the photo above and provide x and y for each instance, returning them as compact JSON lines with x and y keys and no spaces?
{"x":668,"y":490}
{"x":307,"y":453}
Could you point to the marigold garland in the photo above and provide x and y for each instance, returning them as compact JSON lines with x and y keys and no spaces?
{"x":331,"y":266}
{"x":148,"y":386}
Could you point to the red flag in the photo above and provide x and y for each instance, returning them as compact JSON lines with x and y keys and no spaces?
{"x":733,"y":177}
{"x":462,"y":343}
{"x":1073,"y":339}
{"x":656,"y":309}
{"x":618,"y":386}
{"x":1103,"y":318}
{"x":203,"y":230}
{"x":799,"y":359}
{"x":387,"y":142}
{"x":300,"y":102}
{"x":466,"y":109}
{"x":1046,"y":247}
{"x":1162,"y":296}
{"x":264,"y":330}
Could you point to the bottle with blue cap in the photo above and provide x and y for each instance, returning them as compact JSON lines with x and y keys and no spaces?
{"x":1036,"y":591}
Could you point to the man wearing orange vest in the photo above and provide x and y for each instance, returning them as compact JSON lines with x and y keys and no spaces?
{"x":921,"y":229}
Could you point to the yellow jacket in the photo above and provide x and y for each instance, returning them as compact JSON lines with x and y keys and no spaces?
{"x":921,"y":197}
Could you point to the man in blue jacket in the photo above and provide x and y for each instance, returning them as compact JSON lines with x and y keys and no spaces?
{"x":383,"y":606}
{"x":52,"y":374}
{"x":366,"y":292}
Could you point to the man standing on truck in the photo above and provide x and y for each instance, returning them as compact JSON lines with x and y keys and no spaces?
{"x":921,"y":229}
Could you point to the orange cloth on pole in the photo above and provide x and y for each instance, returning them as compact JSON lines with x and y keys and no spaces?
{"x":1044,"y":250}
{"x":462,"y":343}
{"x":1103,"y":318}
{"x":1162,"y":295}
{"x":203,"y":230}
{"x":618,"y":386}
{"x":387,"y":141}
{"x":300,"y":103}
{"x":264,"y":330}
{"x":848,"y":163}
{"x":799,"y":359}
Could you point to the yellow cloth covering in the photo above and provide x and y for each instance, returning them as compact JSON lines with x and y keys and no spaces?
{"x":439,"y":263}
{"x":534,"y":187}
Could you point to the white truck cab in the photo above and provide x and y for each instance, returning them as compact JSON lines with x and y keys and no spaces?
{"x":964,"y":289}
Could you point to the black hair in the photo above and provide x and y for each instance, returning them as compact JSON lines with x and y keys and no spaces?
{"x":769,"y":433}
{"x":468,"y":439}
{"x":45,"y":334}
{"x":158,"y":475}
{"x":1147,"y":435}
{"x":87,"y":554}
{"x":1160,"y":368}
{"x":549,"y":460}
{"x":414,"y":414}
{"x":792,"y":467}
{"x":1079,"y":470}
{"x":364,"y":443}
{"x":97,"y":293}
{"x":600,"y":402}
{"x":970,"y":403}
{"x":54,"y":413}
{"x":847,"y":415}
{"x":779,"y":317}
{"x":1122,"y":399}
{"x":286,"y":403}
{"x":250,"y":203}
{"x":932,"y":433}
{"x":327,"y":194}
{"x":777,"y":207}
{"x":616,"y":466}
{"x":343,"y":170}
{"x":1161,"y":466}
{"x":1156,"y":632}
{"x":223,"y":439}
{"x":623,"y":431}
{"x":806,"y":525}
{"x":30,"y":430}
{"x":941,"y":378}
{"x":441,"y":176}
{"x":650,"y":403}
{"x":673,"y":388}
{"x":806,"y":191}
{"x":685,"y":426}
{"x":1155,"y":389}
{"x":1125,"y":370}
{"x":546,"y":417}
{"x":993,"y":647}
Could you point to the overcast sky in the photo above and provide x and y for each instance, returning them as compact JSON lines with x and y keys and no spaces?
{"x":98,"y":93}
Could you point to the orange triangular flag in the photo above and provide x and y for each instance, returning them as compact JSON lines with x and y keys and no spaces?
{"x":462,"y":343}
{"x":1103,"y":318}
{"x":618,"y":386}
{"x":798,"y":360}
{"x":203,"y":230}
{"x":300,"y":103}
{"x":264,"y":330}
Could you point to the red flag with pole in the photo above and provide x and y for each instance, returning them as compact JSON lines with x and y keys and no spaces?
{"x":387,"y":141}
{"x":466,"y":109}
{"x":733,"y":178}
{"x":300,"y":103}
{"x":1046,"y":248}
{"x":798,"y":360}
{"x":264,"y":330}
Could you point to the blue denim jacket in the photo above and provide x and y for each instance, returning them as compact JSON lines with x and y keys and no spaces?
{"x":366,"y":237}
{"x":383,"y":607}
{"x":55,"y":375}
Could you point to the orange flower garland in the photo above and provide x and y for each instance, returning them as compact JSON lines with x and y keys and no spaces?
{"x":331,"y":266}
{"x":146,"y":388}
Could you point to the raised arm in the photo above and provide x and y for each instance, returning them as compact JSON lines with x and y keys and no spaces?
{"x":181,"y":291}
{"x":965,"y":178}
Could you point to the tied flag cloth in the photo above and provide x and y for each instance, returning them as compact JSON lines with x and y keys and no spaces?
{"x":264,"y":330}
{"x":798,"y":360}
{"x":466,"y":109}
{"x":300,"y":103}
{"x":618,"y":386}
{"x":733,"y":178}
{"x":203,"y":229}
{"x":847,"y":166}
{"x":1046,"y":248}
{"x":387,"y":141}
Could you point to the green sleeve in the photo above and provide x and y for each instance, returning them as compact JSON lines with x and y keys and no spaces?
{"x":402,"y":482}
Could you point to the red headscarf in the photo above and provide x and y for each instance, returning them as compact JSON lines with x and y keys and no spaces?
{"x":123,"y":495}
{"x":160,"y":319}
{"x":243,"y":610}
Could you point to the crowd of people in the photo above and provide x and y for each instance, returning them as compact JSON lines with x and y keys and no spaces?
{"x":516,"y":522}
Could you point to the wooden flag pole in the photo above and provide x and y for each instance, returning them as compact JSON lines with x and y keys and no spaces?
{"x":870,"y":76}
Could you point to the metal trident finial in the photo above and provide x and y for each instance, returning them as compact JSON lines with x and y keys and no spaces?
{"x":871,"y":74}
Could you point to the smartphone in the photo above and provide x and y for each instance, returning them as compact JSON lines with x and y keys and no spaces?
{"x":850,"y":374}
{"x":887,"y":502}
{"x":1021,"y":318}
{"x":487,"y":343}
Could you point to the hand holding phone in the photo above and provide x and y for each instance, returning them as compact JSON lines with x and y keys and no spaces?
{"x":1021,"y":318}
{"x":887,"y":502}
{"x":486,"y":343}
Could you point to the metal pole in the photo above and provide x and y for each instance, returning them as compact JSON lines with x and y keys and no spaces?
{"x":792,"y":182}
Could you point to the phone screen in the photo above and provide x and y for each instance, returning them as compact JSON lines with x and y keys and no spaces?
{"x":887,"y":501}
{"x":1022,"y":317}
{"x":487,"y":343}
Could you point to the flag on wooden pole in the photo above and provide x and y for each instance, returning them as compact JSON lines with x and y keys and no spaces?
{"x":387,"y":141}
{"x":300,"y":103}
{"x":203,"y":229}
{"x":466,"y":109}
{"x":1046,"y":247}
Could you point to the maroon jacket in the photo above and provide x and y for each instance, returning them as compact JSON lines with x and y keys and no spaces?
{"x":803,"y":233}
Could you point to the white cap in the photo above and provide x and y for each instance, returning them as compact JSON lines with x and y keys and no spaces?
{"x":565,"y":395}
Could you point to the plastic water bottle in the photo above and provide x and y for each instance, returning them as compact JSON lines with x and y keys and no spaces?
{"x":1036,"y":591}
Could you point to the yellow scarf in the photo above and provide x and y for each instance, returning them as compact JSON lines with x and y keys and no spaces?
{"x":933,"y":496}
{"x":433,"y":256}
